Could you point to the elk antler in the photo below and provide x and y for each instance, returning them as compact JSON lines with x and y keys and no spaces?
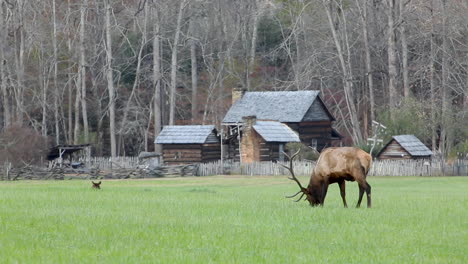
{"x":293,"y":176}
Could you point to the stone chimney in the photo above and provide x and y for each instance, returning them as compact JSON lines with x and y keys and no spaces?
{"x":237,"y":94}
{"x":250,"y":142}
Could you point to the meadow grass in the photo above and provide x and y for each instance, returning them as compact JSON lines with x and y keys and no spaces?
{"x":229,"y":219}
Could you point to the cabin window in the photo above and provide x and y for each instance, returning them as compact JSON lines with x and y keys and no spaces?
{"x":313,"y":143}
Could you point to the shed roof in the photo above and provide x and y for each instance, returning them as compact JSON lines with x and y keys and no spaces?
{"x":285,"y":106}
{"x":184,"y":134}
{"x":413,"y":145}
{"x":66,"y":149}
{"x":273,"y":131}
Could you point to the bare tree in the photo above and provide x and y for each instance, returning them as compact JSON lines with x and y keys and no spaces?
{"x":157,"y":78}
{"x":445,"y":113}
{"x":404,"y":48}
{"x":82,"y":70}
{"x":432,"y":80}
{"x":257,"y":11}
{"x":110,"y":78}
{"x":392,"y":57}
{"x":346,"y":71}
{"x":370,"y":79}
{"x":136,"y":82}
{"x":3,"y":75}
{"x":193,"y":60}
{"x":174,"y":62}
{"x":69,"y":77}
{"x":56,"y":85}
{"x":19,"y":61}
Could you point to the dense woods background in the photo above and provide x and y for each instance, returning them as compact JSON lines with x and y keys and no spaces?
{"x":112,"y":72}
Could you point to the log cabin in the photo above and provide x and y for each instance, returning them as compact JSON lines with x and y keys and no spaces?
{"x":189,"y":144}
{"x":302,"y":111}
{"x":263,"y":140}
{"x":405,"y":147}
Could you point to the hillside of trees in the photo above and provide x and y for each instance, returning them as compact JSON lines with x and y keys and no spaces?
{"x":113,"y":72}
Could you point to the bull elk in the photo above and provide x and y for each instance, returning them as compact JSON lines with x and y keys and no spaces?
{"x":335,"y":165}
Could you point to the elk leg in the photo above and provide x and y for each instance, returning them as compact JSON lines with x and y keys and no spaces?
{"x":342,"y":185}
{"x":368,"y":193}
{"x":361,"y":193}
{"x":324,"y":192}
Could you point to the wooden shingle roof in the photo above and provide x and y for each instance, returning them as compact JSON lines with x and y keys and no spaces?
{"x":284,"y":106}
{"x":197,"y":134}
{"x":413,"y":145}
{"x":272,"y":131}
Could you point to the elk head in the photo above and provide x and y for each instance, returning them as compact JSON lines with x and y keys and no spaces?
{"x":313,"y":200}
{"x":96,"y":185}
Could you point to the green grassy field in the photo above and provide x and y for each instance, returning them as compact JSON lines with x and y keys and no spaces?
{"x":232,"y":220}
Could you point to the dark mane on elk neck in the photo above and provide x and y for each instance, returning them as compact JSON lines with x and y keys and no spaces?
{"x":96,"y":185}
{"x":335,"y":165}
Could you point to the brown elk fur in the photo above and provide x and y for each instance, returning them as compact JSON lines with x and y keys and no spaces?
{"x":337,"y":165}
{"x":96,"y":185}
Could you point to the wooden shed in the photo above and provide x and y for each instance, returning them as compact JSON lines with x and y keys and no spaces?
{"x":64,"y":154}
{"x":405,"y":147}
{"x":189,"y":144}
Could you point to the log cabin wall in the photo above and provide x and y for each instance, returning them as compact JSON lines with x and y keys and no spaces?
{"x":211,"y":152}
{"x":319,"y":130}
{"x":269,"y":151}
{"x":175,"y":154}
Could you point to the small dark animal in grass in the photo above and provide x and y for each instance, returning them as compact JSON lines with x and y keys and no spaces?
{"x":335,"y":165}
{"x":96,"y":185}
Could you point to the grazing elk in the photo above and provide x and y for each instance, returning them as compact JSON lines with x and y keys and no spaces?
{"x":335,"y":165}
{"x":96,"y":185}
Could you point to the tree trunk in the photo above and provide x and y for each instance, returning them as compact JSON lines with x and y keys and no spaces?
{"x":82,"y":71}
{"x":174,"y":63}
{"x":404,"y":51}
{"x":43,"y":84}
{"x":253,"y":44}
{"x":110,"y":80}
{"x":99,"y":114}
{"x":157,"y":81}
{"x":69,"y":81}
{"x":3,"y":75}
{"x":76,"y":131}
{"x":193,"y":60}
{"x":19,"y":58}
{"x":432,"y":82}
{"x":56,"y":86}
{"x":445,"y":114}
{"x":392,"y":60}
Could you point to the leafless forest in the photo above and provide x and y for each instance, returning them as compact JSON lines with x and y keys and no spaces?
{"x":113,"y":72}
